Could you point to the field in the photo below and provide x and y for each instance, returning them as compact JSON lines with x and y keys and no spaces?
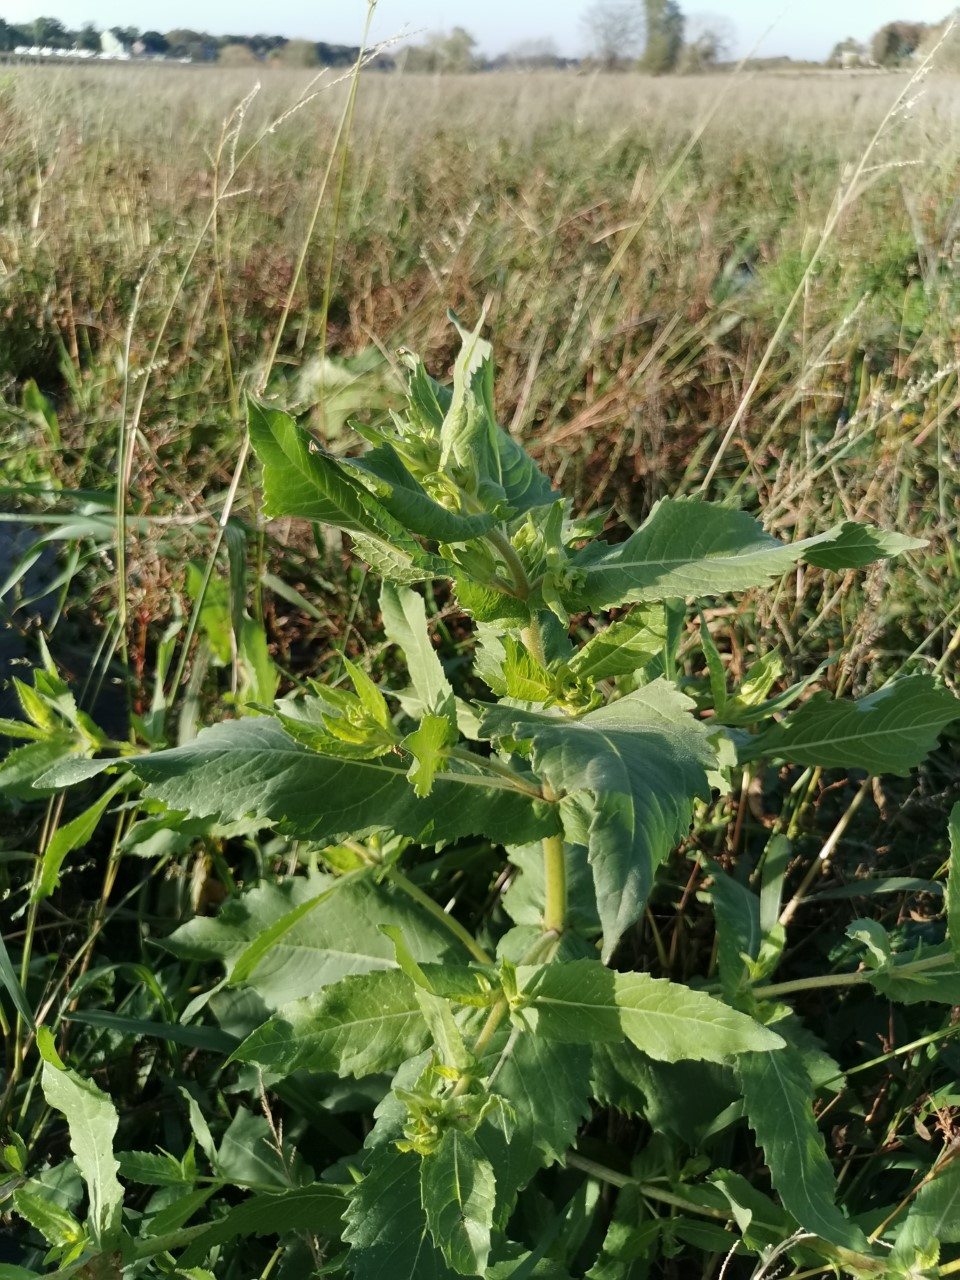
{"x":744,"y":289}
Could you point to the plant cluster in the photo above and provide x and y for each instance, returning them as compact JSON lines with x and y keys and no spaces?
{"x":494,"y":1062}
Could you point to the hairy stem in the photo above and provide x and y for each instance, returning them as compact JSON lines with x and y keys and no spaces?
{"x":502,"y":544}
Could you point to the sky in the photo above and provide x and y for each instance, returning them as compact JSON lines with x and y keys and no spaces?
{"x":807,"y":28}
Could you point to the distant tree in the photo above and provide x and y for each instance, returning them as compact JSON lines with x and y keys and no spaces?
{"x":197,"y":45}
{"x":155,"y":43}
{"x":126,"y":35}
{"x":848,"y":53}
{"x":444,"y":52}
{"x":615,"y":31}
{"x":710,"y":38}
{"x":11,"y":37}
{"x":299,"y":53}
{"x":50,"y":33}
{"x":533,"y":54}
{"x":236,"y":55}
{"x":665,"y":26}
{"x":88,"y":37}
{"x":897,"y":41}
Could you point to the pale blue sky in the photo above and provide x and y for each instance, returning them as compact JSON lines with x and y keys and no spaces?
{"x":809,"y":28}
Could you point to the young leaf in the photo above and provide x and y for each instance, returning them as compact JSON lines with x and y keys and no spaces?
{"x":624,"y":646}
{"x":890,"y":731}
{"x":777,"y":1092}
{"x":468,"y":446}
{"x":358,"y":1026}
{"x":92,"y":1122}
{"x":383,"y":473}
{"x":386,"y":1225}
{"x":582,"y":1002}
{"x":691,"y":548}
{"x":628,"y":773}
{"x":405,"y":622}
{"x":427,"y":746}
{"x":458,"y":1194}
{"x":404,"y":563}
{"x":58,"y":1227}
{"x":252,"y":766}
{"x":523,"y":675}
{"x":299,"y":479}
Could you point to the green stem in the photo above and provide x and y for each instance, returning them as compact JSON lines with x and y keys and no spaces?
{"x":502,"y":543}
{"x":652,"y":1192}
{"x":492,"y":765}
{"x":847,"y":979}
{"x":555,"y":877}
{"x":434,"y":909}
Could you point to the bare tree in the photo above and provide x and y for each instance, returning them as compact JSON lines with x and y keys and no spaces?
{"x":711,"y":38}
{"x":615,"y":30}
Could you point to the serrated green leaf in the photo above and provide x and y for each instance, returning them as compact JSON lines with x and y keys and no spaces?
{"x":934,"y":1214}
{"x":427,"y":744}
{"x":623,"y":647}
{"x":23,"y":769}
{"x":405,"y":622}
{"x":939,"y":985}
{"x":687,"y":547}
{"x":523,"y":675}
{"x":386,"y":1226}
{"x":547,"y":1087}
{"x":252,"y":767}
{"x":890,"y":731}
{"x":952,"y":892}
{"x":92,"y":1122}
{"x":58,"y":1227}
{"x":316,"y":1208}
{"x":383,"y":473}
{"x":777,"y":1092}
{"x":360,"y":1025}
{"x":583,"y":1002}
{"x":300,"y":479}
{"x":338,"y":935}
{"x":150,"y":1169}
{"x":458,"y":1193}
{"x":406,"y":565}
{"x":628,"y":773}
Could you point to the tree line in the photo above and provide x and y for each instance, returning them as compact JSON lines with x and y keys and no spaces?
{"x":199,"y":46}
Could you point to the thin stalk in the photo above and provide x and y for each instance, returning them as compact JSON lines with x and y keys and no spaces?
{"x":855,"y":979}
{"x":437,"y":912}
{"x":829,"y":845}
{"x":502,"y":543}
{"x":555,"y":874}
{"x":490,"y":765}
{"x":650,"y":1190}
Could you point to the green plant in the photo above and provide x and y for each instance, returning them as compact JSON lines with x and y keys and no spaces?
{"x":585,"y":762}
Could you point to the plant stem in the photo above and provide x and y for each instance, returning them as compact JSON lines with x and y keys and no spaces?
{"x":652,"y":1192}
{"x":494,"y":766}
{"x":855,"y":979}
{"x":831,"y":842}
{"x":434,"y":909}
{"x":555,"y":876}
{"x":502,"y":543}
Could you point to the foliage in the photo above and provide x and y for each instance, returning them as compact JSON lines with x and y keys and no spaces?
{"x":486,"y":1051}
{"x":665,"y":25}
